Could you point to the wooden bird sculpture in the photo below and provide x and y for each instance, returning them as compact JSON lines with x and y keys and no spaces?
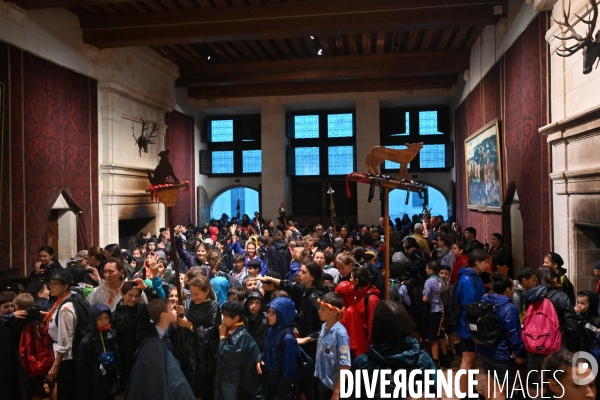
{"x":379,"y":154}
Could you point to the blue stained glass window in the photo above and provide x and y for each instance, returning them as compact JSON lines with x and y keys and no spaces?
{"x":407,"y":129}
{"x":428,"y":123}
{"x":307,"y":161}
{"x":340,"y":160}
{"x":339,"y":125}
{"x":222,"y":162}
{"x":221,"y":130}
{"x":251,"y":161}
{"x":306,"y":127}
{"x":433,"y":156}
{"x":390,"y":164}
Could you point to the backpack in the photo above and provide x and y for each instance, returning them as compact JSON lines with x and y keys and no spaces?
{"x":541,"y":329}
{"x":483,"y":323}
{"x":82,"y":311}
{"x":304,"y":367}
{"x":35,"y":349}
{"x":415,"y":292}
{"x":453,"y":308}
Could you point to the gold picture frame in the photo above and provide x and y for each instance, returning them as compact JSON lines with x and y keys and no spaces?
{"x":483,"y":169}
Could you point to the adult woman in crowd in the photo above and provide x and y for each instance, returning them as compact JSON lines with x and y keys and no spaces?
{"x":305,"y":293}
{"x":366,"y":296}
{"x":498,"y":255}
{"x":321,"y":259}
{"x":61,"y":328}
{"x":309,"y":244}
{"x":345,"y":263}
{"x":189,"y":259}
{"x":109,"y":290}
{"x":97,"y":258}
{"x":392,"y":347}
{"x":46,"y":265}
{"x":344,"y":233}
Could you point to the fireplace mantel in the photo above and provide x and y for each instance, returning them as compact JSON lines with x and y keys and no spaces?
{"x":584,"y":123}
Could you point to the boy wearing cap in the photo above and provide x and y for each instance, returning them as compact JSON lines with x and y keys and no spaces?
{"x":236,"y":376}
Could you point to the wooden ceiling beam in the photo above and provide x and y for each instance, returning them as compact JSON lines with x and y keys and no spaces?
{"x":350,"y":86}
{"x":284,"y":20}
{"x":326,"y":68}
{"x":37,"y":4}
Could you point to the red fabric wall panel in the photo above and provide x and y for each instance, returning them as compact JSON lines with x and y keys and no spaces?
{"x":17,"y":211}
{"x":52,"y":123}
{"x":515,"y":92}
{"x":4,"y":160}
{"x":180,"y":140}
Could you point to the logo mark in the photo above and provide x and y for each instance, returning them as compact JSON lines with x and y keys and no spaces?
{"x":589,"y":365}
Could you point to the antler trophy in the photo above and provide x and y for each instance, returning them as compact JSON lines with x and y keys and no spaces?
{"x":146,"y":138}
{"x":590,"y":46}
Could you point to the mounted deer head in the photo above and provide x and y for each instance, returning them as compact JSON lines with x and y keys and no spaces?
{"x":590,"y":46}
{"x":146,"y":137}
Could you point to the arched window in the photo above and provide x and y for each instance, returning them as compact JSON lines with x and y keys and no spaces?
{"x":434,"y":199}
{"x":227,"y":202}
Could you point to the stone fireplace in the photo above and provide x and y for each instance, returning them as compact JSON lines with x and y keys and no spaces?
{"x":575,"y":144}
{"x":133,"y":84}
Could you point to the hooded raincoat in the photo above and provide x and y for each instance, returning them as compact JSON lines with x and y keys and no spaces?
{"x":353,"y":320}
{"x":508,"y":317}
{"x":97,"y":376}
{"x":280,"y":354}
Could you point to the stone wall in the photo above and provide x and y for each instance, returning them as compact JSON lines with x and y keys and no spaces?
{"x":575,"y":143}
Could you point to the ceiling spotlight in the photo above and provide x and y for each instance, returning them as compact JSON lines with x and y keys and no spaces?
{"x":209,"y":57}
{"x":320,"y":52}
{"x":312,"y":37}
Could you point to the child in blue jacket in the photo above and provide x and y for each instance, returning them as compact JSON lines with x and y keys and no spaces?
{"x":469,"y":289}
{"x":278,"y":362}
{"x":504,"y":357}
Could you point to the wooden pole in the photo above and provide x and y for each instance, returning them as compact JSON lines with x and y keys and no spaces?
{"x":174,"y":254}
{"x":386,"y":215}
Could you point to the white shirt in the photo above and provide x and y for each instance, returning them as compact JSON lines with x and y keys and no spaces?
{"x":101,"y":295}
{"x":62,"y":335}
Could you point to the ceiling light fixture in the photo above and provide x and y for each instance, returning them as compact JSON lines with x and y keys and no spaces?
{"x":209,"y":57}
{"x":312,"y":37}
{"x":320,"y":52}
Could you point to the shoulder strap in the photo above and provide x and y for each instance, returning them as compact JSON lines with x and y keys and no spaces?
{"x":283,"y":335}
{"x":68,"y":300}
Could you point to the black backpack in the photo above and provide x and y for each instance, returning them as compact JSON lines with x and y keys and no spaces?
{"x":483,"y":323}
{"x":304,"y":368}
{"x":415,"y":292}
{"x":82,"y":311}
{"x":453,"y":308}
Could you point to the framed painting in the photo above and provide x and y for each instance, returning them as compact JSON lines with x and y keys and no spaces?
{"x":483,"y":169}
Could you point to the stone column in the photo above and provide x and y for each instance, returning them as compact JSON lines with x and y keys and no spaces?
{"x":367,"y":136}
{"x":275,"y":182}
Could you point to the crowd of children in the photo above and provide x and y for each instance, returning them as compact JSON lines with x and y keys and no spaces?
{"x":280,"y":315}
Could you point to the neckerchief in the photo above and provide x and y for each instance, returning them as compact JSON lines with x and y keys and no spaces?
{"x":234,"y":327}
{"x":56,"y":304}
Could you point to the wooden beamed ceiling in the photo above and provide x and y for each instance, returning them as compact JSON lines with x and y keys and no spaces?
{"x":240,"y":48}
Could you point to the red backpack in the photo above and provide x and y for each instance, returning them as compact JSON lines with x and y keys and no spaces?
{"x":35,"y":349}
{"x":541,"y":329}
